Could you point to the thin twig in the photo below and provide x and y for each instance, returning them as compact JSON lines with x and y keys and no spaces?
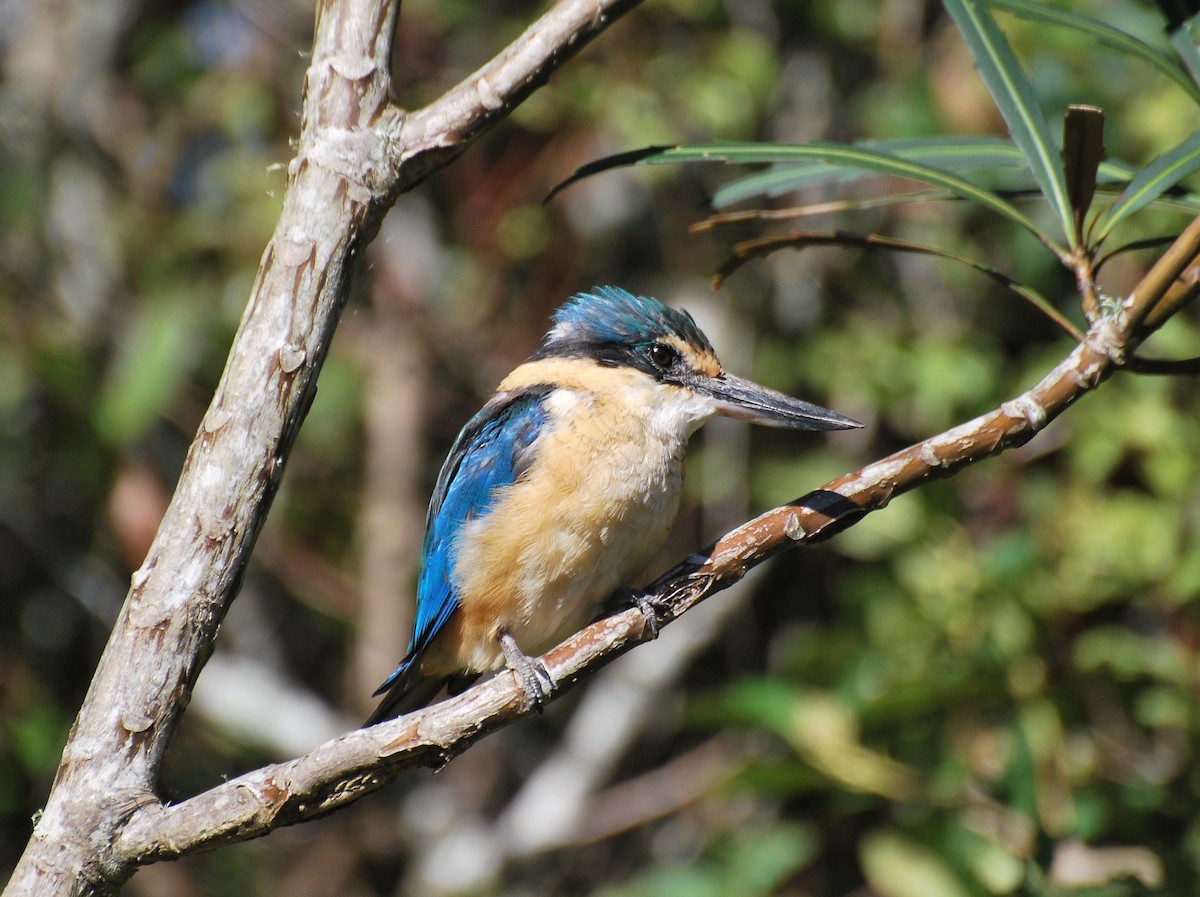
{"x":761,"y":247}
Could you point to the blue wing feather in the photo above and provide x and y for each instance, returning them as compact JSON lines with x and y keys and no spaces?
{"x":492,"y":451}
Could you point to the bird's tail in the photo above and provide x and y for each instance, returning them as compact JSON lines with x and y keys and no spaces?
{"x":407,"y":690}
{"x":404,"y":691}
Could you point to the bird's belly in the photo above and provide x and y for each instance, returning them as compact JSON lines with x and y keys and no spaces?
{"x":554,"y":547}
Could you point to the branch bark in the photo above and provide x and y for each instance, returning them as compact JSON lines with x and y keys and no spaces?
{"x":362,"y":761}
{"x":357,"y":152}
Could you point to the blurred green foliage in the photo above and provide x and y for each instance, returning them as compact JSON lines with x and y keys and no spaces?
{"x":987,"y":688}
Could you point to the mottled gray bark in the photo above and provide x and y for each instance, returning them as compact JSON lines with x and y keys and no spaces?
{"x":357,"y":152}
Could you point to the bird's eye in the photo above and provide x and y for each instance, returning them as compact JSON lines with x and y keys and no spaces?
{"x":663,"y":355}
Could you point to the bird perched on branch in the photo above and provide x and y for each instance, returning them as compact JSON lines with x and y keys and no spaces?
{"x":559,"y":492}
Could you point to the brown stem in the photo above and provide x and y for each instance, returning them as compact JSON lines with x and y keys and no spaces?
{"x":1141,"y":307}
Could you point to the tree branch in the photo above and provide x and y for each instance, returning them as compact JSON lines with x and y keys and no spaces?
{"x":356,"y":152}
{"x":429,"y":138}
{"x":363,"y":761}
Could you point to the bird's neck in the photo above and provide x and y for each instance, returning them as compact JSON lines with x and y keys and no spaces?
{"x":666,"y":412}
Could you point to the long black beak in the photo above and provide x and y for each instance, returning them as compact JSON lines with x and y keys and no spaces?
{"x":745,"y":400}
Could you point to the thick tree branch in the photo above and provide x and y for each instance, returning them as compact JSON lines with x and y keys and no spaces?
{"x":430,"y":137}
{"x":363,"y":761}
{"x":356,"y":153}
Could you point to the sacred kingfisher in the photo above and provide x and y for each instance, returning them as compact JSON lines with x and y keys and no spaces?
{"x":559,"y":492}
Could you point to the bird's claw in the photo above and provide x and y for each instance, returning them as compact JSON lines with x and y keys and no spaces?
{"x":653,"y":611}
{"x":535,"y":679}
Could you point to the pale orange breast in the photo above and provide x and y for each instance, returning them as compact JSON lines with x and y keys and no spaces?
{"x":589,"y":515}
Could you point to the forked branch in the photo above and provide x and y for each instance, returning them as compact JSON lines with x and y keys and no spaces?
{"x":357,"y":151}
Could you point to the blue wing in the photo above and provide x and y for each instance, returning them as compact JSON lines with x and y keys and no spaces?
{"x":493,"y":450}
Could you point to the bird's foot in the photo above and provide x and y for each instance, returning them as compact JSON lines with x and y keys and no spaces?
{"x":653,"y":611}
{"x":535,"y":679}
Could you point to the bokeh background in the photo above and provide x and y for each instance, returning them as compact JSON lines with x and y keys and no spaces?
{"x":987,"y":688}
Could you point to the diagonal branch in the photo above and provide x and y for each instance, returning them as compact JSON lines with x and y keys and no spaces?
{"x":429,"y":138}
{"x":1159,"y":296}
{"x":362,"y":761}
{"x":356,"y":152}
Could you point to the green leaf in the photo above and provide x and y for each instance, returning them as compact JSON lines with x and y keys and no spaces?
{"x":896,"y":866}
{"x":783,"y":179}
{"x":1102,"y":32}
{"x":1014,"y":97}
{"x":156,"y":353}
{"x":1152,"y":182}
{"x":1021,"y":775}
{"x":1188,"y":203}
{"x":950,"y":154}
{"x":36,"y":737}
{"x":851,"y":157}
{"x":1185,"y":47}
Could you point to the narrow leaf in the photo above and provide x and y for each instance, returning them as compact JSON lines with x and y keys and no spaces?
{"x":1014,"y":97}
{"x":951,"y":154}
{"x":763,"y":246}
{"x":784,"y":179}
{"x":1134,"y":246}
{"x":1169,"y":367}
{"x":1188,"y":203}
{"x":606,"y":164}
{"x":1101,"y":32}
{"x":856,"y":157}
{"x":1153,"y":181}
{"x":835,"y":154}
{"x":1185,"y":48}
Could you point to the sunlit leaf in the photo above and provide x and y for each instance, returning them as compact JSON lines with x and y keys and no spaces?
{"x":897,"y":866}
{"x":1017,"y":102}
{"x":1109,"y":172}
{"x":779,"y":181}
{"x":1036,"y":11}
{"x":1153,"y":181}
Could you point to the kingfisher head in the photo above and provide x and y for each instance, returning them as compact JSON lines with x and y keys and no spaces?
{"x":614,"y":328}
